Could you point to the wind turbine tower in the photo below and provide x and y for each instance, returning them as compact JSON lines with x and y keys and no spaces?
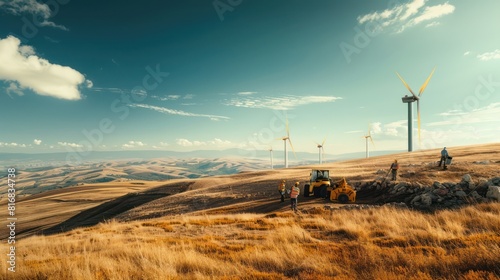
{"x":410,"y":100}
{"x":321,"y":150}
{"x":369,"y":135}
{"x":285,"y":138}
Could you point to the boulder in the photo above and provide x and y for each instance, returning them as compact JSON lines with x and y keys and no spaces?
{"x":416,"y":199}
{"x":426,"y":199}
{"x":476,"y":196}
{"x":493,"y":192}
{"x":467,"y":178}
{"x":460,"y":194}
{"x":496,"y":181}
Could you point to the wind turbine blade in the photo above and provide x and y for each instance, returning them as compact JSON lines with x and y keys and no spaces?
{"x":418,"y":119}
{"x":287,"y":128}
{"x":369,"y":131}
{"x":406,"y":85}
{"x":323,"y":143}
{"x":290,"y":141}
{"x":371,"y":139}
{"x":422,"y":88}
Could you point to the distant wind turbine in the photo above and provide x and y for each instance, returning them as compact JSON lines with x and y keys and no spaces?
{"x":271,"y":154}
{"x":410,"y":100}
{"x":285,"y":138}
{"x":321,"y":150}
{"x":369,"y":135}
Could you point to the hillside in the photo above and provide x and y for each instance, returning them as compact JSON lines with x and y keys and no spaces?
{"x":246,"y":192}
{"x":234,"y":227}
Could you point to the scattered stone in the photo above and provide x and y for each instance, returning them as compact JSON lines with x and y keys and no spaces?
{"x":467,"y":178}
{"x":493,"y":192}
{"x":460,"y":194}
{"x":426,"y":199}
{"x":482,"y":162}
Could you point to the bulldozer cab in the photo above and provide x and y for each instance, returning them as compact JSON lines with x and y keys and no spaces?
{"x":318,"y":183}
{"x":320,"y":175}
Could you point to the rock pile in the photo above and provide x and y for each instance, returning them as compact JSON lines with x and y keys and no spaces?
{"x":437,"y":196}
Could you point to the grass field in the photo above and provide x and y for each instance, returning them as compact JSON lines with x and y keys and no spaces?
{"x":379,"y":243}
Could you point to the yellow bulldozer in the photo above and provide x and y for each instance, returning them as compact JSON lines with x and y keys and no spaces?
{"x":320,"y":185}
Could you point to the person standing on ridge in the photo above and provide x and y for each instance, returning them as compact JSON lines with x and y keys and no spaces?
{"x":282,"y":189}
{"x":394,"y":169}
{"x":444,"y":157}
{"x":294,"y":193}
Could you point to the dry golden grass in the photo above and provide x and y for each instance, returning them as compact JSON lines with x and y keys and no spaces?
{"x":379,"y":243}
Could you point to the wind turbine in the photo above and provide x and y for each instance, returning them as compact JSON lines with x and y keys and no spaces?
{"x":410,"y":100}
{"x":369,"y":135}
{"x":321,"y":150}
{"x":285,"y":138}
{"x":271,"y":154}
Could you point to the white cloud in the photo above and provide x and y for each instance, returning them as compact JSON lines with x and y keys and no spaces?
{"x":188,"y":96}
{"x":376,"y":127}
{"x":24,"y":69}
{"x":466,"y":53}
{"x":166,"y":97}
{"x":32,"y":7}
{"x":37,"y":142}
{"x":486,"y":114}
{"x":72,"y":145}
{"x":176,"y":112}
{"x":246,"y":92}
{"x":164,"y":144}
{"x":279,"y":103}
{"x":12,"y":144}
{"x":184,"y":142}
{"x":133,"y":144}
{"x":403,"y":16}
{"x":433,"y":12}
{"x":432,"y":24}
{"x":489,"y":55}
{"x":215,"y":143}
{"x":14,"y":89}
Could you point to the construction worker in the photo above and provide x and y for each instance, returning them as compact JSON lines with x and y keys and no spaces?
{"x":294,"y":194}
{"x":282,"y":190}
{"x":394,"y":169}
{"x":444,"y":157}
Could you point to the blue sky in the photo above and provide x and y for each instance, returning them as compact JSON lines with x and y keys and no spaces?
{"x":83,"y":76}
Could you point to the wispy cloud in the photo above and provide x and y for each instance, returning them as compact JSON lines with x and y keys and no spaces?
{"x":72,"y":145}
{"x":286,"y":102}
{"x":486,"y":114}
{"x":32,"y":7}
{"x":216,"y":142}
{"x":133,"y":144}
{"x":353,"y":131}
{"x":395,"y":129}
{"x":12,"y":145}
{"x":166,"y":97}
{"x":176,"y":112}
{"x":489,"y":55}
{"x":466,"y":53}
{"x":407,"y":15}
{"x":37,"y":142}
{"x":246,"y":92}
{"x":23,"y":69}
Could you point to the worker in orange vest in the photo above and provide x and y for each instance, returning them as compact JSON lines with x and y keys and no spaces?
{"x":294,"y":194}
{"x":282,"y":189}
